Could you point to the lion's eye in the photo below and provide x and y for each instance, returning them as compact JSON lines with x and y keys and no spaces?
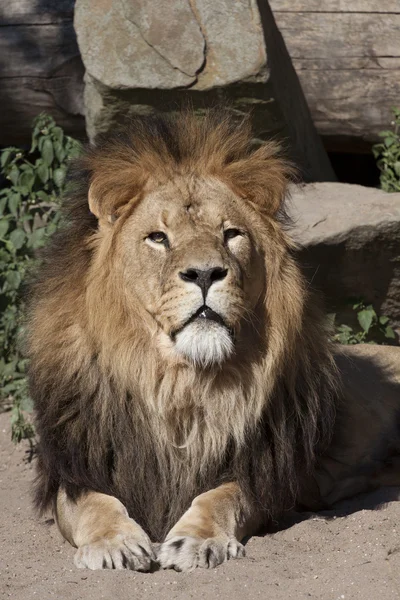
{"x":229,"y":234}
{"x":158,"y":237}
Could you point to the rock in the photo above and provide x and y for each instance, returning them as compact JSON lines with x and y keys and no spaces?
{"x":145,"y":56}
{"x":40,"y":68}
{"x":351,"y":243}
{"x":350,"y":87}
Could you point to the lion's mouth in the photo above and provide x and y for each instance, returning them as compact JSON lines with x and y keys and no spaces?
{"x":203,"y":313}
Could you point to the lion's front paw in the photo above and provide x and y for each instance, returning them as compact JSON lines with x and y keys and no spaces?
{"x":119,"y":552}
{"x":185,"y":553}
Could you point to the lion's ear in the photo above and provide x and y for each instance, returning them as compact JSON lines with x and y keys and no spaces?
{"x":104,"y":210}
{"x":93,"y":202}
{"x":263,"y":177}
{"x":271,"y":175}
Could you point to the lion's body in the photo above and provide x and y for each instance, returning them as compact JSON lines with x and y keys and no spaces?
{"x":133,"y":398}
{"x":365,"y":447}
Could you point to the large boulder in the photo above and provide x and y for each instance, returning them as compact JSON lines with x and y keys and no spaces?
{"x":351,"y":243}
{"x":144,"y":56}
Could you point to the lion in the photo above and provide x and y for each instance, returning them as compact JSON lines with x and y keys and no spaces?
{"x":185,"y":389}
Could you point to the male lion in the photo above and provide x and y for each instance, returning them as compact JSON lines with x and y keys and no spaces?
{"x":184,"y":386}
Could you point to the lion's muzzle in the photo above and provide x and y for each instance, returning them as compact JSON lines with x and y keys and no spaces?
{"x":204,"y":339}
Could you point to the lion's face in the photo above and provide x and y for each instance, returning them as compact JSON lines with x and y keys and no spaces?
{"x":190,"y":258}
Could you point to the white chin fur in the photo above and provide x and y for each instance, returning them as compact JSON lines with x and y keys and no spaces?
{"x":204,"y":343}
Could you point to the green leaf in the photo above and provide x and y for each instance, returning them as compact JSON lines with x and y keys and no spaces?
{"x":3,"y":203}
{"x":51,"y":228}
{"x":41,"y":140}
{"x":365,"y":318}
{"x":345,"y":328}
{"x":13,"y":175}
{"x":38,"y":238}
{"x":377,"y":150}
{"x":59,"y":152}
{"x":27,"y":178}
{"x":389,"y":333}
{"x":47,"y":152}
{"x":4,"y":225}
{"x":33,"y":145}
{"x":58,"y":134}
{"x":358,"y":305}
{"x":17,"y":238}
{"x":43,"y":172}
{"x":14,"y":201}
{"x":13,"y":279}
{"x":5,"y":156}
{"x":75,"y":148}
{"x":383,"y":320}
{"x":343,"y":338}
{"x":59,"y":177}
{"x":43,"y":197}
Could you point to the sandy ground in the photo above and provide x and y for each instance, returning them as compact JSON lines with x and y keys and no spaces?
{"x":352,"y":553}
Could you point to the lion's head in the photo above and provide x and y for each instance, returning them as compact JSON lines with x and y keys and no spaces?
{"x":193,"y":260}
{"x":190,"y":216}
{"x":171,"y":323}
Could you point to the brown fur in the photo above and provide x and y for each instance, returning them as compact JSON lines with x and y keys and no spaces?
{"x":117,"y":415}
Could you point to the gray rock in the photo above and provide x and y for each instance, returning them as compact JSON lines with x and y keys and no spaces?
{"x":350,"y":87}
{"x":123,"y":47}
{"x":40,"y":68}
{"x":143,"y":56}
{"x":351,"y":243}
{"x":169,"y":45}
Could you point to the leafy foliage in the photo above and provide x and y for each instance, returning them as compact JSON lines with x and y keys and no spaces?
{"x":387,"y":154}
{"x":29,"y":215}
{"x":370,"y":329}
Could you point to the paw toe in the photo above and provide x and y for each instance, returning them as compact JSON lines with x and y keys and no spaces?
{"x":116,"y":553}
{"x":179,"y":553}
{"x":212,"y":553}
{"x":185,"y":553}
{"x":215,"y":551}
{"x":235,"y":549}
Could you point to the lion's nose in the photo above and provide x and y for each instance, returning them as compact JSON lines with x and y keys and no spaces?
{"x":204,"y":278}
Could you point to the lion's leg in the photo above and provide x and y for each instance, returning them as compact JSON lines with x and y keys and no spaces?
{"x":210,"y":531}
{"x":106,"y":538}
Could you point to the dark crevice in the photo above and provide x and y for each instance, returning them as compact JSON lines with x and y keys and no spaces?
{"x":205,"y":49}
{"x":356,"y":168}
{"x":334,"y":12}
{"x":40,"y":24}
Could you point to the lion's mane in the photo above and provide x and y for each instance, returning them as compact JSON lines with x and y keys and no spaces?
{"x":112,"y":415}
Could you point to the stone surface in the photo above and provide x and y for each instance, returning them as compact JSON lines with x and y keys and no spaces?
{"x":348,"y":60}
{"x":145,"y":56}
{"x":168,"y":45}
{"x":40,"y":68}
{"x":351,"y":243}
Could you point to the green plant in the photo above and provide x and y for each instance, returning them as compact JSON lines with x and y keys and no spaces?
{"x":387,"y":154}
{"x":369,"y":328}
{"x":29,"y":214}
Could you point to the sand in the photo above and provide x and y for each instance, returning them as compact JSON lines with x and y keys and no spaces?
{"x":350,"y":553}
